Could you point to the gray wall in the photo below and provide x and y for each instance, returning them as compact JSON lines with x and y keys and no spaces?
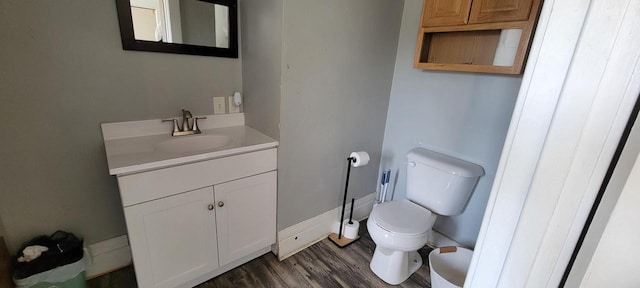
{"x":1,"y":228}
{"x":337,"y":69}
{"x":198,"y":23}
{"x":62,"y":73}
{"x":261,"y":22}
{"x":461,"y":114}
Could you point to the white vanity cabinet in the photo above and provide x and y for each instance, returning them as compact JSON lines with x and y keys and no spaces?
{"x":245,"y":216}
{"x":192,"y":222}
{"x":173,"y":239}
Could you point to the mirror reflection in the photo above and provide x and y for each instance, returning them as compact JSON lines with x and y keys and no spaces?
{"x":193,"y":22}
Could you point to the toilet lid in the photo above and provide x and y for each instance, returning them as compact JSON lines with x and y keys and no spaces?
{"x":402,"y":217}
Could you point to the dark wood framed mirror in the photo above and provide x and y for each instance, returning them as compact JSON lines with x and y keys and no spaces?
{"x":194,"y":27}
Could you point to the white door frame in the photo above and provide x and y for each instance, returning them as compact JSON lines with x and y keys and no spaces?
{"x":621,"y":178}
{"x":581,"y":80}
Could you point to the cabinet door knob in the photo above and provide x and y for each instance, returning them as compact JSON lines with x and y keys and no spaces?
{"x":210,"y":207}
{"x":220,"y":204}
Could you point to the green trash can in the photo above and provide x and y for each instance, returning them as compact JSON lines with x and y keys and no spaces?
{"x":62,"y":265}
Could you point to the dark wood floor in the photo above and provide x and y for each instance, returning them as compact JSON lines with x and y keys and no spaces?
{"x":321,"y":265}
{"x":123,"y":278}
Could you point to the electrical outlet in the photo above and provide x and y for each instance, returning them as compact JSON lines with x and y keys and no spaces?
{"x":218,"y":105}
{"x":232,"y":108}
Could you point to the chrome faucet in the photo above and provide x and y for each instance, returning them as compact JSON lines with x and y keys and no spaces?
{"x":186,"y":115}
{"x":186,"y":129}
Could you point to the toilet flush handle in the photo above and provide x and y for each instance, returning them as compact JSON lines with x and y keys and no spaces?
{"x":412,"y":163}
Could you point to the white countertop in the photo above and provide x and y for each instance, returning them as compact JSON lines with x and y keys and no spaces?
{"x":128,"y":153}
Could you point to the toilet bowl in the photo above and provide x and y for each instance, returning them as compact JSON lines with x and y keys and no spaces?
{"x":437,"y":184}
{"x":399,"y":229}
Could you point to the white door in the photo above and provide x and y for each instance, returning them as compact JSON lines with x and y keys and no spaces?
{"x":246,"y":215}
{"x":173,"y":239}
{"x":598,"y":261}
{"x":582,"y":78}
{"x":616,"y":260}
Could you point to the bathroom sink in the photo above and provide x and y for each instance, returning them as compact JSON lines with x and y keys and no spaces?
{"x":193,"y":143}
{"x":145,"y":145}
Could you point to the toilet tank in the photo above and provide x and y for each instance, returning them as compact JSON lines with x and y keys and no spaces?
{"x":440,"y":183}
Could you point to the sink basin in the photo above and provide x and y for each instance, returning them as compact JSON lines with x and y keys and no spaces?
{"x":193,"y":143}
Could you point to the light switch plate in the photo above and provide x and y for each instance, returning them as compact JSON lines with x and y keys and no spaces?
{"x":233,"y":108}
{"x":218,"y":105}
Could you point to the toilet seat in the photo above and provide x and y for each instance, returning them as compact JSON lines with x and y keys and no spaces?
{"x":403,"y":218}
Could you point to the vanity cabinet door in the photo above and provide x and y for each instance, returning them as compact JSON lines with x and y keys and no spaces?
{"x":445,"y":12}
{"x":173,"y":239}
{"x":246,"y":216}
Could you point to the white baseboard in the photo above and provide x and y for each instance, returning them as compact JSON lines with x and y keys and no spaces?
{"x":295,"y":238}
{"x":106,"y":256}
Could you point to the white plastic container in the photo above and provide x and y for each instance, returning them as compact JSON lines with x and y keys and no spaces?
{"x":449,"y":268}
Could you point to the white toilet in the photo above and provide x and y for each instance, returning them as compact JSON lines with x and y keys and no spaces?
{"x":437,"y":184}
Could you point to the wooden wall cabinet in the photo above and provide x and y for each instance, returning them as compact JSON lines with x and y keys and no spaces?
{"x":490,"y":36}
{"x":495,"y":11}
{"x":445,"y":12}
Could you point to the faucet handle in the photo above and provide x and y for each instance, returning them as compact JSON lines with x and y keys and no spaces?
{"x":196,"y":129}
{"x":175,"y":124}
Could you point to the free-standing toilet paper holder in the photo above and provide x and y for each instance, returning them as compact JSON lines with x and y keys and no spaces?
{"x":338,"y":239}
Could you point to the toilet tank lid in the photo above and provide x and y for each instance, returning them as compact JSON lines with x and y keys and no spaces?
{"x":446,"y":163}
